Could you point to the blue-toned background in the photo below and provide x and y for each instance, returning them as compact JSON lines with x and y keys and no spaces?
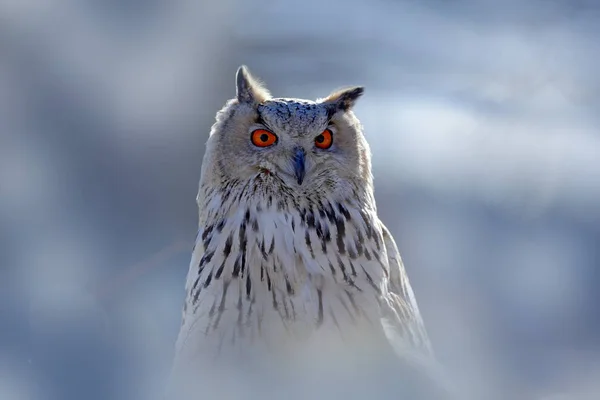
{"x":483,"y":117}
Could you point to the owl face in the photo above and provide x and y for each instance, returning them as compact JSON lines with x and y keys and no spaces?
{"x":301,"y":144}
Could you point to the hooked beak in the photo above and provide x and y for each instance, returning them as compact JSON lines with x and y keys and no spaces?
{"x":299,"y":169}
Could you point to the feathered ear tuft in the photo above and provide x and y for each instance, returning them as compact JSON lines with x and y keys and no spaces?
{"x":344,"y":99}
{"x":249,"y":89}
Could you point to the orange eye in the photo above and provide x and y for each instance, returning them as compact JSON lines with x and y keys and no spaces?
{"x":324,"y":140}
{"x":263,"y":138}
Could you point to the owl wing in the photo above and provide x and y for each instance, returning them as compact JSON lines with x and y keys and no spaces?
{"x":405,"y":331}
{"x":402,"y":320}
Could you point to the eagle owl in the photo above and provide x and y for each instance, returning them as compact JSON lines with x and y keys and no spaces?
{"x":290,"y":251}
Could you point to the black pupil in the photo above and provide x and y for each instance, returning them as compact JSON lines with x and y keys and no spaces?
{"x":320,"y":139}
{"x":264,"y":137}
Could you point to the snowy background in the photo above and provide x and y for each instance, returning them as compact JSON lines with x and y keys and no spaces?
{"x":483,"y":117}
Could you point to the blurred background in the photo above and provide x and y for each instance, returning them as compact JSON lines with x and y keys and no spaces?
{"x":483,"y":118}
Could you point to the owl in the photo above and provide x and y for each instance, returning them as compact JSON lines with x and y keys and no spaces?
{"x":290,"y":251}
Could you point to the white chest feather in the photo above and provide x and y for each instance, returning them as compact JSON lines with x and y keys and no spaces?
{"x":265,"y":274}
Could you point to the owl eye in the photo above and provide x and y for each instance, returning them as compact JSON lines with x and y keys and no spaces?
{"x":263,"y":138}
{"x":324,"y":140}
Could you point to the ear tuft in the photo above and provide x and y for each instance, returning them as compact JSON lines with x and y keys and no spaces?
{"x":344,"y":99}
{"x":249,"y":89}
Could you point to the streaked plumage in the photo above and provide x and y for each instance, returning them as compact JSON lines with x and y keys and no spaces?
{"x":290,"y":250}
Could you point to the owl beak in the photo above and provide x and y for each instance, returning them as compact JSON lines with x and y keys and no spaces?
{"x":299,"y":168}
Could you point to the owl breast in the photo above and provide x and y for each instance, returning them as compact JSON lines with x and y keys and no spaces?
{"x":268,"y":273}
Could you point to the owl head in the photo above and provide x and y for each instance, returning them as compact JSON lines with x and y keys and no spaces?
{"x":301,"y":144}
